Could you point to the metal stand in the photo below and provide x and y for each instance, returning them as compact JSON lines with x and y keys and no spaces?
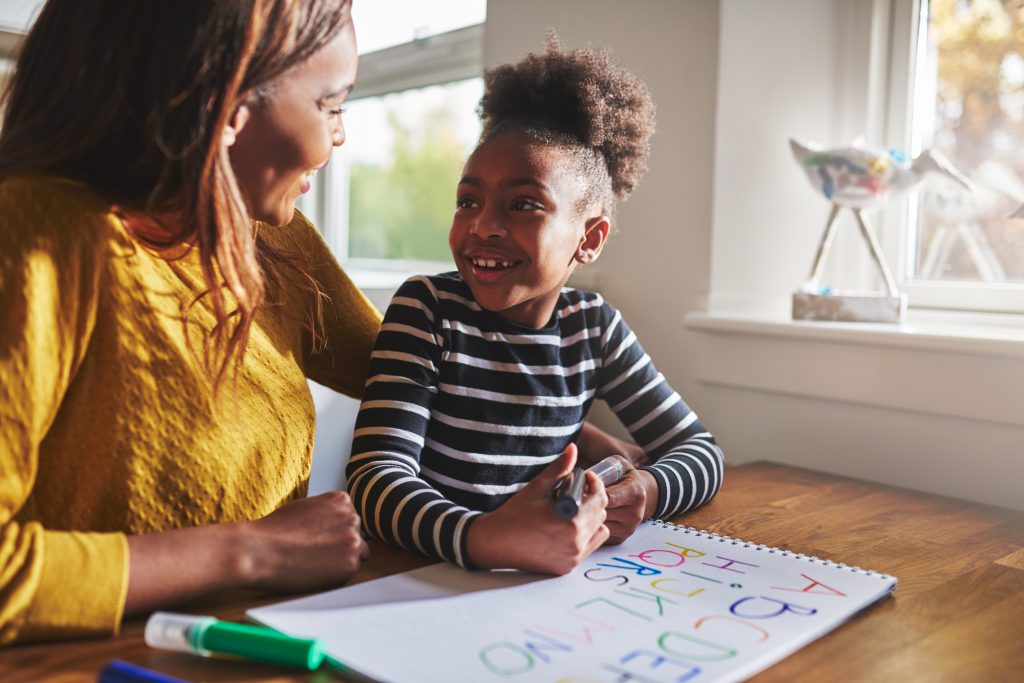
{"x":811,"y":304}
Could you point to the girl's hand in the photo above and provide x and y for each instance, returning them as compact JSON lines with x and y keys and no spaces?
{"x":305,"y":545}
{"x":597,"y":444}
{"x":525,"y":533}
{"x":631,"y":500}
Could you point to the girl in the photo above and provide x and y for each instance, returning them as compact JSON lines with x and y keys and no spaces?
{"x":481,"y":379}
{"x":161,"y":306}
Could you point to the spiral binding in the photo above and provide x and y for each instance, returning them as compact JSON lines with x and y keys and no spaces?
{"x":700,"y":533}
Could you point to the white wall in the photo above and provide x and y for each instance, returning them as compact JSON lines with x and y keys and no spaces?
{"x":930,"y":405}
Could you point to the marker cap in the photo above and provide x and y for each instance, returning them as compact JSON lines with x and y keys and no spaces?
{"x":170,"y":631}
{"x":609,"y":470}
{"x":206,"y":635}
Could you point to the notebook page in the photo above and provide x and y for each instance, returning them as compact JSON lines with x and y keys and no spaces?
{"x":671,"y":604}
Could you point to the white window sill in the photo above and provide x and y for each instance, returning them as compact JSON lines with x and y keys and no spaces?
{"x":384,"y":275}
{"x":964,"y":367}
{"x":378,"y":279}
{"x":952,"y":332}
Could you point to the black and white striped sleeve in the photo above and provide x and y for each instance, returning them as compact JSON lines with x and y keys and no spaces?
{"x":688,"y":464}
{"x":383,"y":475}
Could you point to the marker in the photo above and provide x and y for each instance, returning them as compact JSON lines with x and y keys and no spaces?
{"x":570,"y":494}
{"x":117,"y":671}
{"x":207,"y":636}
{"x":609,"y":470}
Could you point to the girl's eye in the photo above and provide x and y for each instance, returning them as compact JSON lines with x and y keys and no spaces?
{"x":526,"y":204}
{"x":338,"y":112}
{"x":465,"y":203}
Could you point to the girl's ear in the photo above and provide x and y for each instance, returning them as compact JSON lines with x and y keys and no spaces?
{"x":235,"y":125}
{"x":594,"y":236}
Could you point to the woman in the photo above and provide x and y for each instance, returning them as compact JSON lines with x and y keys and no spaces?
{"x":161,"y":306}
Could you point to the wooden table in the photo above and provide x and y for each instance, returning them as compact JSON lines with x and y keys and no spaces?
{"x":957,"y":614}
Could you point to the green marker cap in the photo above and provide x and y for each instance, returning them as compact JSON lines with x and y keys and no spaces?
{"x":207,"y":636}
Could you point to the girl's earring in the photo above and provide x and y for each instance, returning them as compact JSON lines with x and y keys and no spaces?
{"x":337,"y":138}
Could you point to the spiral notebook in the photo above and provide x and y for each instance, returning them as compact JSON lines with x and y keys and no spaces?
{"x":671,"y":604}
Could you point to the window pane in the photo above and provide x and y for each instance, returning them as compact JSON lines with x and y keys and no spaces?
{"x":405,"y":152}
{"x":19,"y":14}
{"x":384,"y":24}
{"x":972,"y":110}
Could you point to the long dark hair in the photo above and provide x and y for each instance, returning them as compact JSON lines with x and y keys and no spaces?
{"x":131,"y":98}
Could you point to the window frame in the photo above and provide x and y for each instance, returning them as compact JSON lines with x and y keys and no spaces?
{"x":906,"y":44}
{"x":433,"y":60}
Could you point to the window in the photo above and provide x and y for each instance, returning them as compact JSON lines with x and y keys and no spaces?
{"x":14,"y":21}
{"x":385,"y":201}
{"x":962,"y":94}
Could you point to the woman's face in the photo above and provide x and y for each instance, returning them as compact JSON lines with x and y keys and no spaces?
{"x":284,"y":137}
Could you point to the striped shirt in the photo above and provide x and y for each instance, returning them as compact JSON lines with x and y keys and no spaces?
{"x":463,"y":407}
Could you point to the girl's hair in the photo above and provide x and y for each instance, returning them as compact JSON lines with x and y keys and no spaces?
{"x":132,"y":98}
{"x":580,"y":101}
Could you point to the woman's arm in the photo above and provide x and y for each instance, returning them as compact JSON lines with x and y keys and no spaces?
{"x":286,"y":551}
{"x":64,"y":584}
{"x":341,"y":360}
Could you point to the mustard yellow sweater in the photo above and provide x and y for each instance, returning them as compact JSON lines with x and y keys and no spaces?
{"x":108,"y":425}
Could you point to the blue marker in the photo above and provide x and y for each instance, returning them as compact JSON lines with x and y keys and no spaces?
{"x":123,"y":672}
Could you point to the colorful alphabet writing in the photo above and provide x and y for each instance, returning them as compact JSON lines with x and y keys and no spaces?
{"x":670,"y":605}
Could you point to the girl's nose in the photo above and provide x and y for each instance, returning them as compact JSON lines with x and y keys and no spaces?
{"x":489,"y":226}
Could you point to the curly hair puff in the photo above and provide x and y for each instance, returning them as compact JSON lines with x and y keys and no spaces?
{"x":580,"y":100}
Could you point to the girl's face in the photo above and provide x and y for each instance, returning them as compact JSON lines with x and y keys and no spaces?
{"x":277,"y":142}
{"x":518,"y":227}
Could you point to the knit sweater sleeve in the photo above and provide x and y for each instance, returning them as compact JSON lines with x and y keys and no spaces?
{"x":394,"y":501}
{"x":688,"y":464}
{"x":341,"y":360}
{"x":53,"y":584}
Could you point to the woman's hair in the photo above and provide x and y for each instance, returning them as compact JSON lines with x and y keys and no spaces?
{"x":132,"y":98}
{"x":580,"y":101}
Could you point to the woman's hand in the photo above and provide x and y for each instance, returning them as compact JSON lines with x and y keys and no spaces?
{"x":525,"y":533}
{"x":306,"y":545}
{"x":597,"y":444}
{"x":631,"y":500}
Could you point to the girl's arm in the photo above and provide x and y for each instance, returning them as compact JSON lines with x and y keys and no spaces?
{"x":383,"y":473}
{"x":688,"y":464}
{"x":596,"y":444}
{"x":398,"y":505}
